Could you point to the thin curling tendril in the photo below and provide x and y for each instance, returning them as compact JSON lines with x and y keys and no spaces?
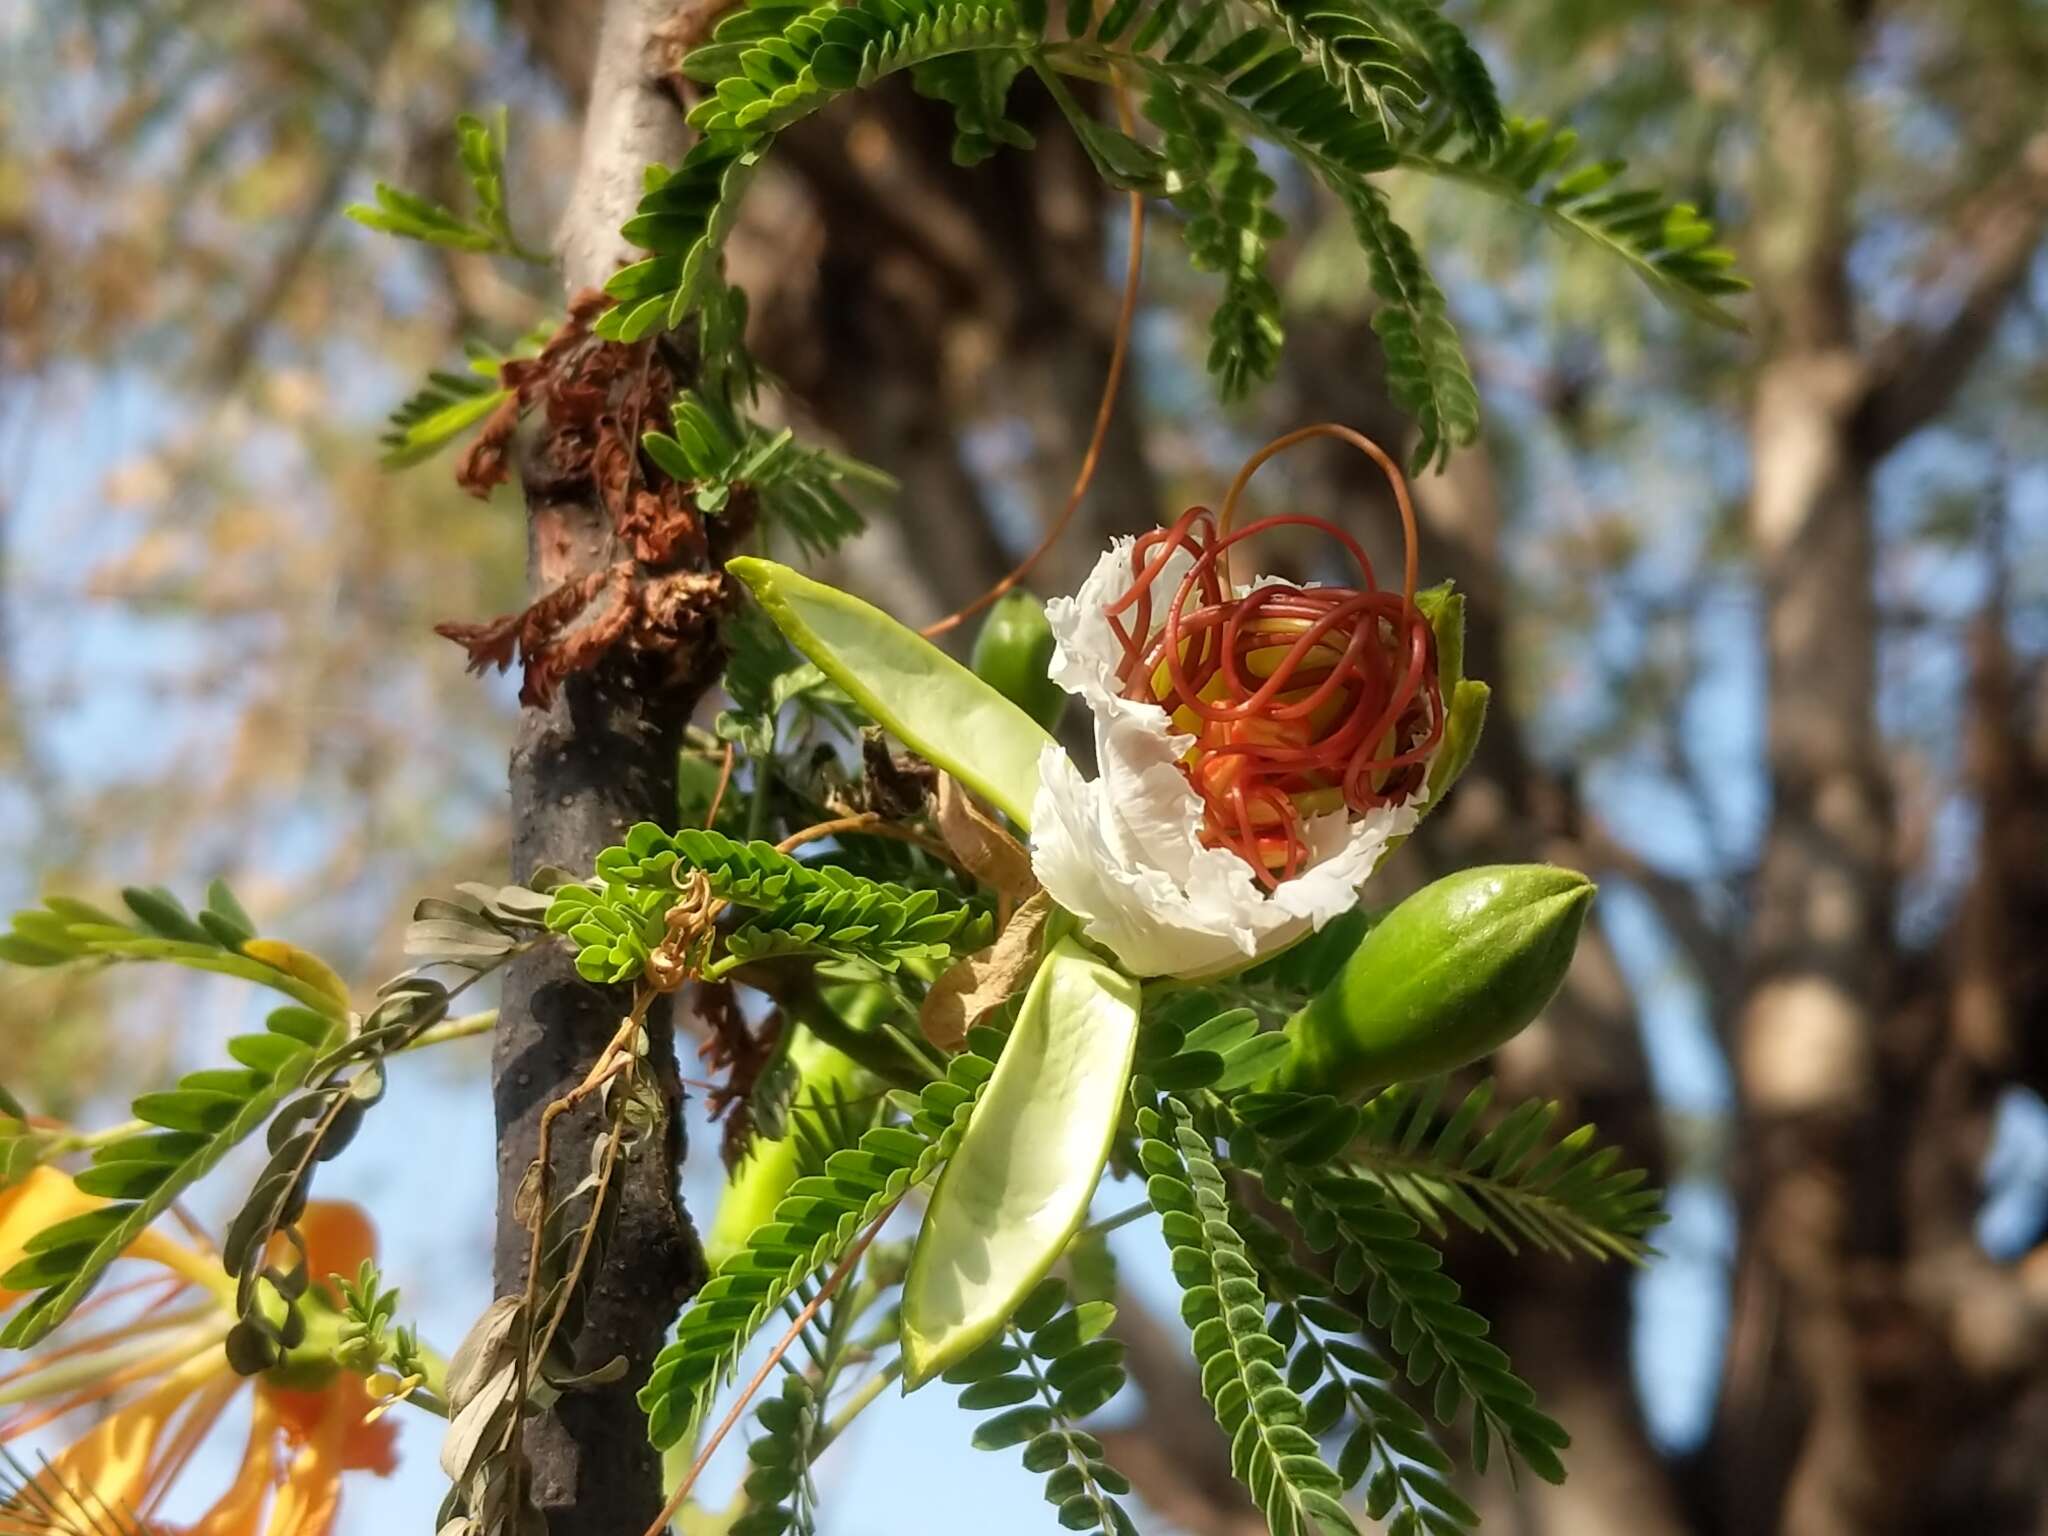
{"x":1105,"y":407}
{"x":1302,"y":700}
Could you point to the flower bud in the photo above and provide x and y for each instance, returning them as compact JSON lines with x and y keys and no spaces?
{"x":1012,"y":654}
{"x":1450,"y":974}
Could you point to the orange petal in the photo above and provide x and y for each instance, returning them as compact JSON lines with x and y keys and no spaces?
{"x":333,"y":1414}
{"x":116,"y":1464}
{"x":239,"y":1511}
{"x":311,"y":1494}
{"x":338,"y":1238}
{"x":47,"y":1197}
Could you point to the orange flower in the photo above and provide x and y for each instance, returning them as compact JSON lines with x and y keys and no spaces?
{"x":303,"y":1436}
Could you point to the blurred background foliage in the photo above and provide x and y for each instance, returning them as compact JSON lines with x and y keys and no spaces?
{"x":1769,"y":613}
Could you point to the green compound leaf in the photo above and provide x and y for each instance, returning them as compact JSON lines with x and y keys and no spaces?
{"x":196,"y":1125}
{"x":1514,"y":1182}
{"x":1350,"y":88}
{"x":778,"y":1483}
{"x":1669,"y":245}
{"x":219,"y":938}
{"x":1426,"y":369}
{"x":1042,"y":1380}
{"x":1218,"y":187}
{"x":481,"y":146}
{"x":813,"y":1226}
{"x":814,"y":909}
{"x":935,"y":706}
{"x":1271,"y":1452}
{"x":1348,"y":1396}
{"x":1374,"y":1247}
{"x":717,"y":451}
{"x":1018,"y":1188}
{"x":977,"y":87}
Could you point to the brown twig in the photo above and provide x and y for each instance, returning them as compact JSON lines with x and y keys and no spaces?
{"x":795,"y":1331}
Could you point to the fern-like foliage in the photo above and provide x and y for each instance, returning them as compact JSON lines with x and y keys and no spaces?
{"x":346,"y":1081}
{"x":193,"y":1126}
{"x":1356,"y":53}
{"x":219,"y":937}
{"x":481,"y":145}
{"x":812,"y":1227}
{"x":778,"y":1484}
{"x":1348,"y":1395}
{"x":449,"y":403}
{"x":1218,"y":187}
{"x":715,"y":451}
{"x":1374,"y":1247}
{"x":1050,"y":1369}
{"x":441,"y":410}
{"x":1222,"y":1300}
{"x":683,"y":219}
{"x":977,"y":87}
{"x":821,"y":910}
{"x":1670,"y":245}
{"x":1513,"y":1182}
{"x":1350,"y":88}
{"x":1426,"y":369}
{"x":763,"y":677}
{"x":1456,"y":81}
{"x":1185,"y":1044}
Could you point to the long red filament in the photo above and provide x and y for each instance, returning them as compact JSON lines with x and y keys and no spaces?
{"x":1301,"y":700}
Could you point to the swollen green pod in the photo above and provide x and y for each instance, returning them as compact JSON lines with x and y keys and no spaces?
{"x":1017,"y":1189}
{"x":1012,"y":654}
{"x":1450,"y":974}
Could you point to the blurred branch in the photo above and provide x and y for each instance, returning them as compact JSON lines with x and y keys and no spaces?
{"x":1709,"y":952}
{"x":236,"y":349}
{"x":1915,"y":374}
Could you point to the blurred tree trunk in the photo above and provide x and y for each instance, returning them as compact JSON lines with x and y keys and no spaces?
{"x":1797,"y":1448}
{"x":1850,"y":1407}
{"x":600,"y":757}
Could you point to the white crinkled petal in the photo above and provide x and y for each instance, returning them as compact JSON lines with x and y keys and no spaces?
{"x":1086,"y":655}
{"x":1123,"y":851}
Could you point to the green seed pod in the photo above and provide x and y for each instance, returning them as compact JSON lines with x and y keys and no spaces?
{"x":1011,"y":655}
{"x":1450,"y":974}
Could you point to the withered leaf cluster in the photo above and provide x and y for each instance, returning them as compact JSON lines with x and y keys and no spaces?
{"x":651,"y":591}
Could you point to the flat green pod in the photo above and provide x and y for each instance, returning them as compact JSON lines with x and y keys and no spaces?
{"x":935,"y":706}
{"x":1018,"y":1188}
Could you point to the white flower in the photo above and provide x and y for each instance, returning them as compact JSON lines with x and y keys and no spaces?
{"x":1123,"y":851}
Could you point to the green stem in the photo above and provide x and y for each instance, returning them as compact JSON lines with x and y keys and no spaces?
{"x":757,"y":802}
{"x":1122,"y":1218}
{"x":429,"y":1401}
{"x":869,"y":1390}
{"x":456,"y":1029}
{"x":86,"y":1141}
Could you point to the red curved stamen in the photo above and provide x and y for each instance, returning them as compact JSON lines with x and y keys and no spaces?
{"x":1290,"y":692}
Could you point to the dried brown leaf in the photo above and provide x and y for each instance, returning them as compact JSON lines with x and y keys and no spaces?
{"x":983,"y":846}
{"x":979,"y":984}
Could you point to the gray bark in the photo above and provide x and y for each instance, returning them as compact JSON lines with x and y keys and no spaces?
{"x":600,"y":758}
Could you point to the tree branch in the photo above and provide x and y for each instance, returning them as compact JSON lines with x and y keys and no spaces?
{"x":600,"y":756}
{"x":1917,"y":373}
